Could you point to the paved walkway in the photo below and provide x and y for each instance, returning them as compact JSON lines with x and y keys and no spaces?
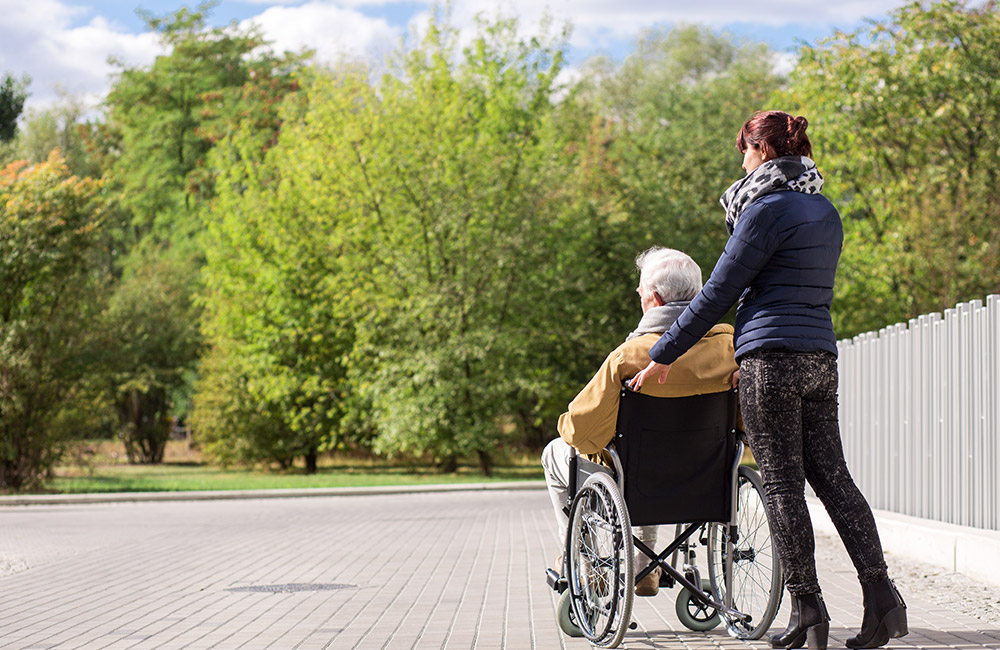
{"x":446,"y":570}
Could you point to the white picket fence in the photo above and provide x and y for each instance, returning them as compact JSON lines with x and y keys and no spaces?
{"x":920,"y":414}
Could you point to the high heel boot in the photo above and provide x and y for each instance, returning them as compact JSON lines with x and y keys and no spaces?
{"x":809,"y":624}
{"x":885,"y":615}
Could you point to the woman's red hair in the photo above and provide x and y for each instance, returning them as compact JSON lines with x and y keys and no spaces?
{"x":775,"y":133}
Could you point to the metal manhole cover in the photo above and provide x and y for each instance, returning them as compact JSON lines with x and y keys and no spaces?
{"x":284,"y":589}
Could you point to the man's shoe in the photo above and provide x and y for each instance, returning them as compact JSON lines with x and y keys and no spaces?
{"x":809,"y":624}
{"x":885,"y":616}
{"x":650,"y":585}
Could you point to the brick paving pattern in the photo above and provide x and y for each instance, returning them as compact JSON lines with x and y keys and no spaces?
{"x":451,"y":570}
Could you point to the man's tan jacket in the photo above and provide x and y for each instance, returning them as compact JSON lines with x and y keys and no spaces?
{"x":707,"y":367}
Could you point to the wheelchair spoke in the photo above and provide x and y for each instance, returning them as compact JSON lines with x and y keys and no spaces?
{"x":600,"y":523}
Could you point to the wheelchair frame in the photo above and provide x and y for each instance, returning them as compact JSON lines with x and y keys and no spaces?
{"x":602,"y":611}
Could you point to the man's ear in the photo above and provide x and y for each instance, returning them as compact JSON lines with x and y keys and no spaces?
{"x":657,"y":301}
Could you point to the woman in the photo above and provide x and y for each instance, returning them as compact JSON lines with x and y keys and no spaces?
{"x":780,"y":262}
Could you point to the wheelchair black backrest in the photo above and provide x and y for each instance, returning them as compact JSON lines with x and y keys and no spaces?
{"x":678,"y":456}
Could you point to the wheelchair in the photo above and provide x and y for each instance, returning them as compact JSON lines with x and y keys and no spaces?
{"x":675,"y":461}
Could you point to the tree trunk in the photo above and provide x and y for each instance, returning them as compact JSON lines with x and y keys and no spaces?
{"x":450,"y":464}
{"x":485,"y":463}
{"x":311,"y":457}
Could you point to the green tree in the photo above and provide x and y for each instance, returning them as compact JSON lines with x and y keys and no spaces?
{"x":167,"y":116}
{"x":906,"y":114}
{"x":385,"y":256}
{"x":49,"y":224}
{"x":457,"y":180}
{"x":151,"y":323}
{"x":230,"y":424}
{"x":272,"y":384}
{"x":163,"y":122}
{"x":13,"y":92}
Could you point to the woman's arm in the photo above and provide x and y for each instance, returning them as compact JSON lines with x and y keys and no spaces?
{"x":751,"y":245}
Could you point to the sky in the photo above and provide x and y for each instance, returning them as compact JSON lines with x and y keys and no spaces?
{"x":65,"y":45}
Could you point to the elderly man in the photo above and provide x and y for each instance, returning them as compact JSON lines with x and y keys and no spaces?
{"x":668,"y":280}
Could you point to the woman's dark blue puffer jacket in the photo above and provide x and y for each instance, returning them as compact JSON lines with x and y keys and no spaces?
{"x":780,"y":263}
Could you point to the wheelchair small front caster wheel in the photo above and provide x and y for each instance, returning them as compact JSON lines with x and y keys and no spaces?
{"x":567,"y":622}
{"x":694,"y":614}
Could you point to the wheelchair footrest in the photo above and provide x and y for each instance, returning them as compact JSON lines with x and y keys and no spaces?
{"x":555,"y":581}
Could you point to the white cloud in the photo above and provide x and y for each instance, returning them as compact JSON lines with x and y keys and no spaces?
{"x":630,"y":16}
{"x":333,"y":32}
{"x":596,"y":23}
{"x":19,"y":14}
{"x":39,"y":39}
{"x":784,"y":62}
{"x":65,"y":48}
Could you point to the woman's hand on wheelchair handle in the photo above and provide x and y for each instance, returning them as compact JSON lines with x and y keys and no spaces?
{"x":654,"y":369}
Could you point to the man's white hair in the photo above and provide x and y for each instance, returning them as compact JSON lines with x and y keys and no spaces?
{"x":673,"y":275}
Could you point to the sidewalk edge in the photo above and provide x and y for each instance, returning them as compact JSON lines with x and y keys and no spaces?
{"x":289,"y":493}
{"x":962,"y":549}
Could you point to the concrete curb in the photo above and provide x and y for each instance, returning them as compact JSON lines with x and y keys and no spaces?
{"x":291,"y":493}
{"x":962,"y":549}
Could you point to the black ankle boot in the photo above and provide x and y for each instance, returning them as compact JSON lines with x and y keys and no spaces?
{"x":809,"y":623}
{"x":885,"y":616}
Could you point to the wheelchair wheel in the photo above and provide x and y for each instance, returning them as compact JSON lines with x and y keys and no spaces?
{"x":693,"y":614}
{"x":599,"y":552}
{"x":746,"y":569}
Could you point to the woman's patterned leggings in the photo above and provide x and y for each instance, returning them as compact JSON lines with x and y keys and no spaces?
{"x":789,"y":404}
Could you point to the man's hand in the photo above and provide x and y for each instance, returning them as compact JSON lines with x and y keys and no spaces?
{"x":654,"y":369}
{"x":736,"y":378}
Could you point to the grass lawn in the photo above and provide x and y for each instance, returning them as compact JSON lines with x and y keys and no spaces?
{"x":100,"y":466}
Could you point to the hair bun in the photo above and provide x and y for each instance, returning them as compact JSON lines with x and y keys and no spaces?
{"x":776,"y":132}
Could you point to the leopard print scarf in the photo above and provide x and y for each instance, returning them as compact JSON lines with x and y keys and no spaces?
{"x":796,"y":173}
